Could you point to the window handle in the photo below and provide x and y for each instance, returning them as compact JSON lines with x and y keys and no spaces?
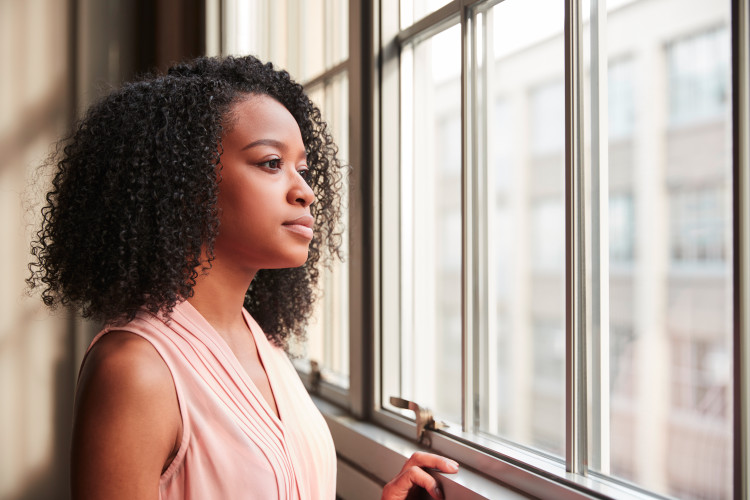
{"x":315,"y":376}
{"x":423,"y":416}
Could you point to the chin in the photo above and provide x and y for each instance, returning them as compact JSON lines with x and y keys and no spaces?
{"x":296,"y":261}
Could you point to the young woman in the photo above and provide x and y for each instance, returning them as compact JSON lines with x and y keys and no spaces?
{"x":189,"y":212}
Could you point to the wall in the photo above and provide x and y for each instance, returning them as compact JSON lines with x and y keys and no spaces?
{"x":56,"y":57}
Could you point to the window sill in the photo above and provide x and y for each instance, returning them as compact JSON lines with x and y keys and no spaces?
{"x":376,"y":456}
{"x":370,"y":455}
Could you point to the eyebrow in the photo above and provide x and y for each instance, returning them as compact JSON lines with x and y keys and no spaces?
{"x":264,"y":142}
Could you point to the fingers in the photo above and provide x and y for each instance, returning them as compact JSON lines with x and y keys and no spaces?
{"x":431,"y":461}
{"x":413,"y":475}
{"x":409,"y":477}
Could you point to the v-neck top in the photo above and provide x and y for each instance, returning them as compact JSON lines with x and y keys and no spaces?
{"x":233,"y":445}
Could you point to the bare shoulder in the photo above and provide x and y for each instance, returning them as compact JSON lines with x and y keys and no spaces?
{"x":127,"y":424}
{"x":125,"y":359}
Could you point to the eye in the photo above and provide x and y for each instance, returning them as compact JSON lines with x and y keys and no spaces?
{"x":305,"y":174}
{"x":272,"y":164}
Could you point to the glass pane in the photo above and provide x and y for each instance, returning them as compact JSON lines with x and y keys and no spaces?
{"x":310,"y":47}
{"x":430,"y":344}
{"x":337,"y":34}
{"x":279,"y":31}
{"x":663,"y":420}
{"x":317,"y":50}
{"x":414,"y":10}
{"x":328,"y":334}
{"x":523,"y":360}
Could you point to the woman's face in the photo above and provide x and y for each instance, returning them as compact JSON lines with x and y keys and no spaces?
{"x":264,"y":201}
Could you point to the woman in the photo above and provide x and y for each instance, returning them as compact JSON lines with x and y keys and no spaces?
{"x":189,"y":212}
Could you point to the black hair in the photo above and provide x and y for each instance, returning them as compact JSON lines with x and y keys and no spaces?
{"x":133,"y":198}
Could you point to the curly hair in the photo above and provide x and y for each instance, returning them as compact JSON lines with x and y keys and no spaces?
{"x":133,"y":198}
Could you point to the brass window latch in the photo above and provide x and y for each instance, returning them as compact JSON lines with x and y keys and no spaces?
{"x":425,"y":421}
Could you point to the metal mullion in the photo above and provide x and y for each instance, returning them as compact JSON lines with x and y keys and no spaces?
{"x":741,"y":247}
{"x":361,"y":257}
{"x":485,"y":316}
{"x":599,"y":327}
{"x":575,"y":320}
{"x":431,"y":23}
{"x":468,"y":259}
{"x":328,"y":74}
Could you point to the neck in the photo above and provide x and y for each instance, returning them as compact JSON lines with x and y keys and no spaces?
{"x":219,"y":295}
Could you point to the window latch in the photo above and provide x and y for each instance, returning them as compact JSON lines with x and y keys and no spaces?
{"x":424,"y":419}
{"x":315,"y":376}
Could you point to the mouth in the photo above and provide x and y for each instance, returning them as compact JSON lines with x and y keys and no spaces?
{"x":301,"y":226}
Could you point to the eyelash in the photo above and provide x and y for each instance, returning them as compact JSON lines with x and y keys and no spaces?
{"x":275,"y":163}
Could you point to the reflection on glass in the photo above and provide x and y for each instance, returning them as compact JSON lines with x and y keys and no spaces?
{"x":431,"y":225}
{"x":523,"y":367}
{"x":667,"y":419}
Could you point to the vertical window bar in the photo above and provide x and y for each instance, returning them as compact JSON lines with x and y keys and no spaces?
{"x":575,"y":362}
{"x":485,"y":360}
{"x":480,"y":211}
{"x":599,"y":289}
{"x":469,"y":311}
{"x":741,"y":211}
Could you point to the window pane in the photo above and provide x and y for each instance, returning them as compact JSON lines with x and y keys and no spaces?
{"x":414,"y":10}
{"x":309,"y":50}
{"x":665,"y":415}
{"x":431,"y":221}
{"x":523,"y":365}
{"x":337,"y":37}
{"x":282,"y":31}
{"x":328,"y":334}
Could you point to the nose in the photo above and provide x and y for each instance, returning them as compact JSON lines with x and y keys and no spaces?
{"x":300,"y":191}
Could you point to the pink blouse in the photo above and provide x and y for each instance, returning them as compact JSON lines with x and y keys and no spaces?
{"x":233,"y":444}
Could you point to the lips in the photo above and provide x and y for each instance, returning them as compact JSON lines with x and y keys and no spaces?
{"x":301,"y":226}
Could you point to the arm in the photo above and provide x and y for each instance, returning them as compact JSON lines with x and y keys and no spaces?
{"x":127,"y":425}
{"x":412,"y":475}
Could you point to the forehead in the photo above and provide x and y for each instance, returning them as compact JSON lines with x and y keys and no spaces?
{"x":258,"y":112}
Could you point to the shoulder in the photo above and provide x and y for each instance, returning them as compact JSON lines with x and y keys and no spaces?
{"x":127,"y":421}
{"x":127,"y":361}
{"x":123,"y":372}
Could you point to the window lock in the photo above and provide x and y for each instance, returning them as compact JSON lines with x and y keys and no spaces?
{"x":315,"y":376}
{"x":423,"y":417}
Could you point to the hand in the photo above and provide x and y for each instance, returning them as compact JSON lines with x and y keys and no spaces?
{"x":412,"y":476}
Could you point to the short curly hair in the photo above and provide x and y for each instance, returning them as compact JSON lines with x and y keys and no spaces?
{"x":133,"y":198}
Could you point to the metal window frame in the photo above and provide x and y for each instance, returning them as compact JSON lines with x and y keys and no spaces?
{"x":741,"y":245}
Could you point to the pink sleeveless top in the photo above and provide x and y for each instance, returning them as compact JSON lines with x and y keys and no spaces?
{"x":233,"y":445}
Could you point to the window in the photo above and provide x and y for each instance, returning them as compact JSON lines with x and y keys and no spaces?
{"x":474,"y":323}
{"x":542,"y":247}
{"x":699,"y":227}
{"x":698,"y":67}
